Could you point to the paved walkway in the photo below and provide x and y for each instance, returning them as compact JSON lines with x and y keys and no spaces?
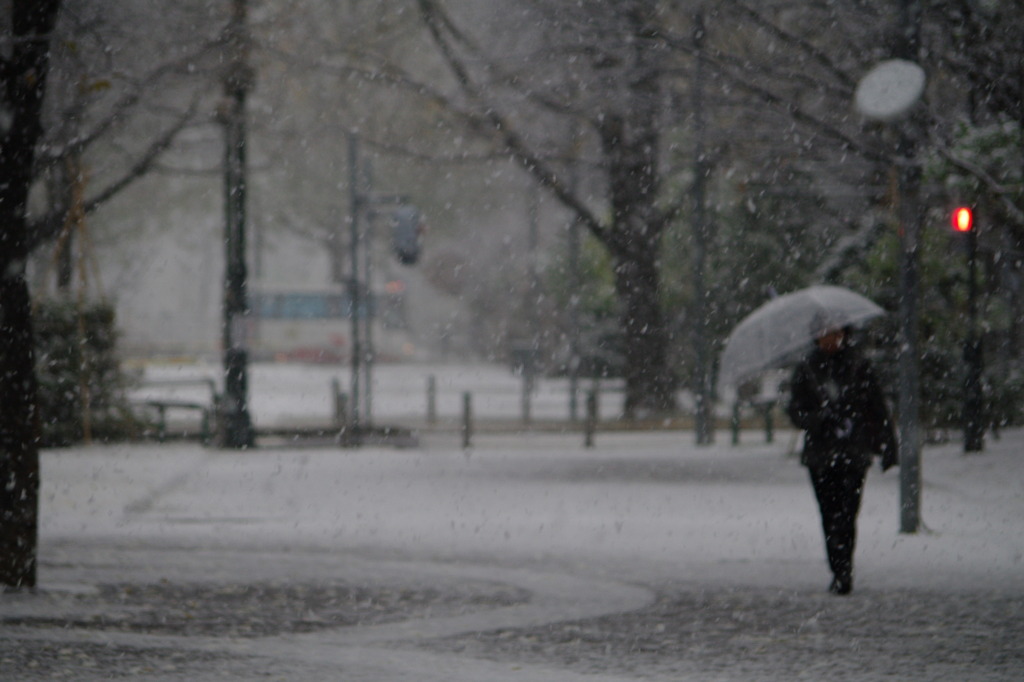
{"x":256,"y":614}
{"x":265,"y":615}
{"x":638,"y":560}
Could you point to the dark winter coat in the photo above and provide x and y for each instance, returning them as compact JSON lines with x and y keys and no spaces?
{"x":837,"y":401}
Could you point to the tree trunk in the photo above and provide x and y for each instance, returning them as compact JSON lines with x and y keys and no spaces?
{"x":649,"y":382}
{"x":630,"y":139}
{"x":19,"y":451}
{"x":634,"y":241}
{"x":24,"y":84}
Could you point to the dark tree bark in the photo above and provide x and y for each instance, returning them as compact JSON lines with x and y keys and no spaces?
{"x":630,"y":143}
{"x":23,"y":87}
{"x":624,"y":109}
{"x":649,"y":382}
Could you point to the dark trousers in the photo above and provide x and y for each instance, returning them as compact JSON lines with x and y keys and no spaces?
{"x":838,"y":487}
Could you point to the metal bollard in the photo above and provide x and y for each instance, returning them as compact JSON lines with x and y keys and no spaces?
{"x":205,"y":435}
{"x":769,"y":423}
{"x":431,"y":400}
{"x":340,"y":405}
{"x":341,"y":421}
{"x":161,"y":424}
{"x":467,"y":420}
{"x":735,"y":423}
{"x":590,"y":423}
{"x":527,"y":396}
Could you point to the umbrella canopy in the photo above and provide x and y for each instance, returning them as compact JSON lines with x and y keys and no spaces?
{"x":780,"y":331}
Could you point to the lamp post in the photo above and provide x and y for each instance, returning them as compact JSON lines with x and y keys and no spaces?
{"x":909,"y":370}
{"x":236,"y":430}
{"x":703,"y":393}
{"x":889,"y":93}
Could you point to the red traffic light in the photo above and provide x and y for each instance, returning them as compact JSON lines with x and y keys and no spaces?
{"x":963,"y":219}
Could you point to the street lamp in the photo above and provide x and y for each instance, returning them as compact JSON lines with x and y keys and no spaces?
{"x":974,"y":425}
{"x":889,"y":93}
{"x":236,"y":429}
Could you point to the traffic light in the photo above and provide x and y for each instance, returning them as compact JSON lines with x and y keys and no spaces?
{"x":406,"y":234}
{"x":974,"y":406}
{"x":963,"y":219}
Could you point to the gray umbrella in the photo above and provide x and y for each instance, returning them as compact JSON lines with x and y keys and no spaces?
{"x":779,"y":332}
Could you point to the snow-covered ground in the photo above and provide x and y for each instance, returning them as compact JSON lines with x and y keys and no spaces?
{"x":587,"y":531}
{"x":643,"y":506}
{"x":743,"y":511}
{"x":292,"y":393}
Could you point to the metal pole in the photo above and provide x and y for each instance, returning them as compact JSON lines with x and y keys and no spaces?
{"x":590,"y":425}
{"x":909,"y":376}
{"x":353,"y":282}
{"x":369,"y":303}
{"x":431,"y":400}
{"x":909,"y":213}
{"x":574,"y":288}
{"x":734,"y":423}
{"x":703,"y":431}
{"x":974,"y":426}
{"x":529,"y":371}
{"x":467,"y":420}
{"x":237,"y":430}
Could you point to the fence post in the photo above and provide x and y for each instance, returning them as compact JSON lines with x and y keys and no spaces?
{"x":735,"y":423}
{"x":340,"y":404}
{"x":431,"y":400}
{"x":204,"y":428}
{"x":590,"y":423}
{"x":527,"y":395}
{"x":341,"y":421}
{"x":467,"y":420}
{"x":217,"y":432}
{"x":161,"y":426}
{"x":769,"y":423}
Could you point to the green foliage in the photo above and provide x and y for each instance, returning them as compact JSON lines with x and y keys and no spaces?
{"x":943,"y":326}
{"x":768,"y":243}
{"x":601,"y":340}
{"x":764,"y":238}
{"x":941,"y":312}
{"x":994,"y":148}
{"x":77,"y":365}
{"x":597,"y":299}
{"x":982,"y":168}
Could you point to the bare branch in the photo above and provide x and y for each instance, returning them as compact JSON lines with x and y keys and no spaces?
{"x":116,"y":115}
{"x":803,"y":45}
{"x":850,"y":249}
{"x":49,"y":226}
{"x":145,"y":162}
{"x":488,"y":118}
{"x":799,"y":114}
{"x":1002,"y":191}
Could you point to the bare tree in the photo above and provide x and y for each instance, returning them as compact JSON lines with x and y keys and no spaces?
{"x":599,"y":71}
{"x":23,"y":74}
{"x":120,"y":99}
{"x":603,"y":93}
{"x":45,"y":135}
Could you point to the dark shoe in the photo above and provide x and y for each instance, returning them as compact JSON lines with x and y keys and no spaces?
{"x":841,"y":585}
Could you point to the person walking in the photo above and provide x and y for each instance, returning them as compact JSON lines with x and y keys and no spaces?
{"x":836,"y":399}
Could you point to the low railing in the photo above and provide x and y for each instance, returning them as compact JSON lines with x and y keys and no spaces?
{"x":162,"y":405}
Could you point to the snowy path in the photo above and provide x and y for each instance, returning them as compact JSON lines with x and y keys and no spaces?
{"x":720,"y":536}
